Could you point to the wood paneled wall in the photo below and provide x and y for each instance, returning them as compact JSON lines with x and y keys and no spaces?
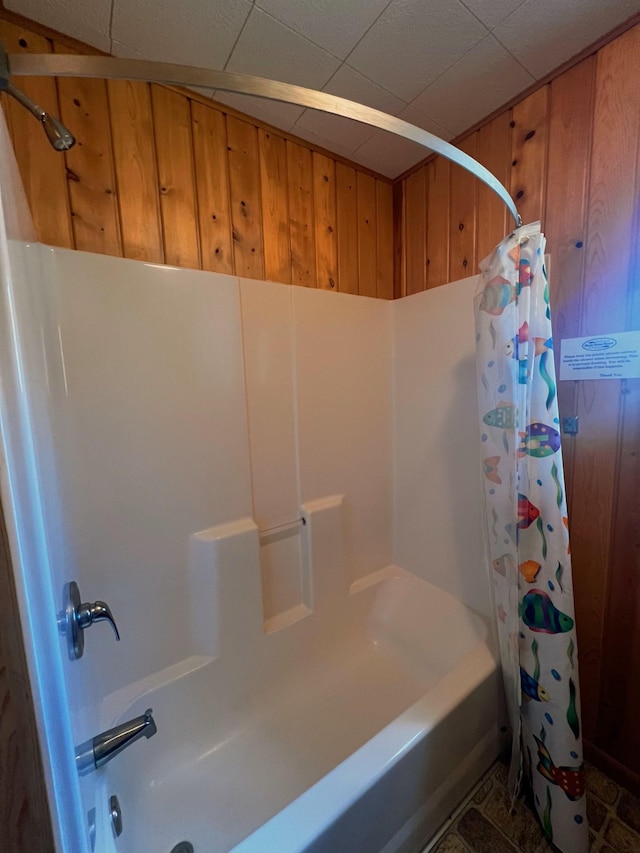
{"x":25,"y":824}
{"x":570,"y":154}
{"x":162,"y":176}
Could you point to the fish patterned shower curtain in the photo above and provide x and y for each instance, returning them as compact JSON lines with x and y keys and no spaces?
{"x":527,"y":533}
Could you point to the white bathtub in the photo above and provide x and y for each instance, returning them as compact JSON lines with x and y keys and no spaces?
{"x":356,"y":728}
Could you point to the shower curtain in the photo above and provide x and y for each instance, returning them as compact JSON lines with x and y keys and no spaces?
{"x":527,"y":535}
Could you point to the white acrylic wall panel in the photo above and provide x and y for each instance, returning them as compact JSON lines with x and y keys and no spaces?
{"x":153,"y":446}
{"x":23,"y":413}
{"x":437,"y":511}
{"x":268,"y":351}
{"x":268,"y":348}
{"x":343,"y":391}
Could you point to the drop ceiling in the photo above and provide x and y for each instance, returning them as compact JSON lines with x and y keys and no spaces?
{"x":440,"y":64}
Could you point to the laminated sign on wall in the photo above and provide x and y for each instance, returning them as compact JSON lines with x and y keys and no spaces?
{"x":615,"y":356}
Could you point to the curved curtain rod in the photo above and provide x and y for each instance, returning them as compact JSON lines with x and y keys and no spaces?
{"x":108,"y":67}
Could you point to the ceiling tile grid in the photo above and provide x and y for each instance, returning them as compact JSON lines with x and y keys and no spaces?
{"x":492,"y":12}
{"x":193,"y":32}
{"x":335,"y":25}
{"x":411,"y":115}
{"x":268,"y":48}
{"x":276,"y":113}
{"x":440,"y":64}
{"x":477,"y":84}
{"x":542,"y":34}
{"x":389,"y":154}
{"x":335,"y":130}
{"x":413,"y":42}
{"x":88,"y":21}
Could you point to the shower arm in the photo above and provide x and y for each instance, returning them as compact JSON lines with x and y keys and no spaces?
{"x":112,"y":68}
{"x":57,"y":134}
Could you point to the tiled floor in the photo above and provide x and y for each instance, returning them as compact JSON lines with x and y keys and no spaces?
{"x":484,"y":824}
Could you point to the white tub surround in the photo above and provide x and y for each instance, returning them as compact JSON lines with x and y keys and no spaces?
{"x":354,"y":728}
{"x":234,"y":466}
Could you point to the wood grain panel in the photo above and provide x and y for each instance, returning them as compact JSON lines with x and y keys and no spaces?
{"x":41,"y":168}
{"x":275,"y":206}
{"x":90,"y":170}
{"x":399,"y":254}
{"x":618,"y":727}
{"x":573,"y":163}
{"x":493,"y":151}
{"x":245,"y":202}
{"x":618,"y":732}
{"x":174,"y":150}
{"x":25,"y":823}
{"x":570,"y":130}
{"x":150,"y":179}
{"x":610,"y":238}
{"x":367,"y":235}
{"x":347,"y":209}
{"x":324,"y":217}
{"x":302,"y":235}
{"x":463,"y":217}
{"x":136,"y":174}
{"x":212,"y":187}
{"x":415,"y":231}
{"x":384,"y":213}
{"x":530,"y":120}
{"x":438,"y":219}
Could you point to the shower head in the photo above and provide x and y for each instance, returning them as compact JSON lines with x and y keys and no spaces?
{"x":57,"y":134}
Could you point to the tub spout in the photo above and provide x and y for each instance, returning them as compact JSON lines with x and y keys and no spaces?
{"x":102,"y":748}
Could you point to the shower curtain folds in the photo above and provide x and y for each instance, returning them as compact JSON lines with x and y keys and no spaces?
{"x":526,"y":532}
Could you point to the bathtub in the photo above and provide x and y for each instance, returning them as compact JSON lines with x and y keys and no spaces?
{"x":357,"y":726}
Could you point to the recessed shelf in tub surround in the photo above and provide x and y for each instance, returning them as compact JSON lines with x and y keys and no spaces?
{"x":226,"y":583}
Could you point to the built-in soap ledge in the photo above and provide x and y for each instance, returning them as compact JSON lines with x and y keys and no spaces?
{"x":225,"y":592}
{"x":324,"y":542}
{"x":243,"y":584}
{"x":284,"y":569}
{"x":302,"y":564}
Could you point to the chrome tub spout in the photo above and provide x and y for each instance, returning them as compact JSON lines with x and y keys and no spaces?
{"x":102,"y":748}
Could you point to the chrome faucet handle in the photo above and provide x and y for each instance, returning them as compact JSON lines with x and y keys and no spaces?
{"x":76,"y":616}
{"x":87,"y":614}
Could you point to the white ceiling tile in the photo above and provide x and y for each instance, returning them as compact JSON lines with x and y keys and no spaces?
{"x":198,"y":33}
{"x":389,"y":154}
{"x":333,"y":130}
{"x":543,"y":34}
{"x":335,"y":25}
{"x":436,"y":54}
{"x":268,"y":48}
{"x":87,"y":21}
{"x":413,"y":42}
{"x":412,"y":115}
{"x":275,"y":113}
{"x":351,"y":84}
{"x":320,"y":142}
{"x":124,"y":51}
{"x":483,"y":80}
{"x":492,"y":12}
